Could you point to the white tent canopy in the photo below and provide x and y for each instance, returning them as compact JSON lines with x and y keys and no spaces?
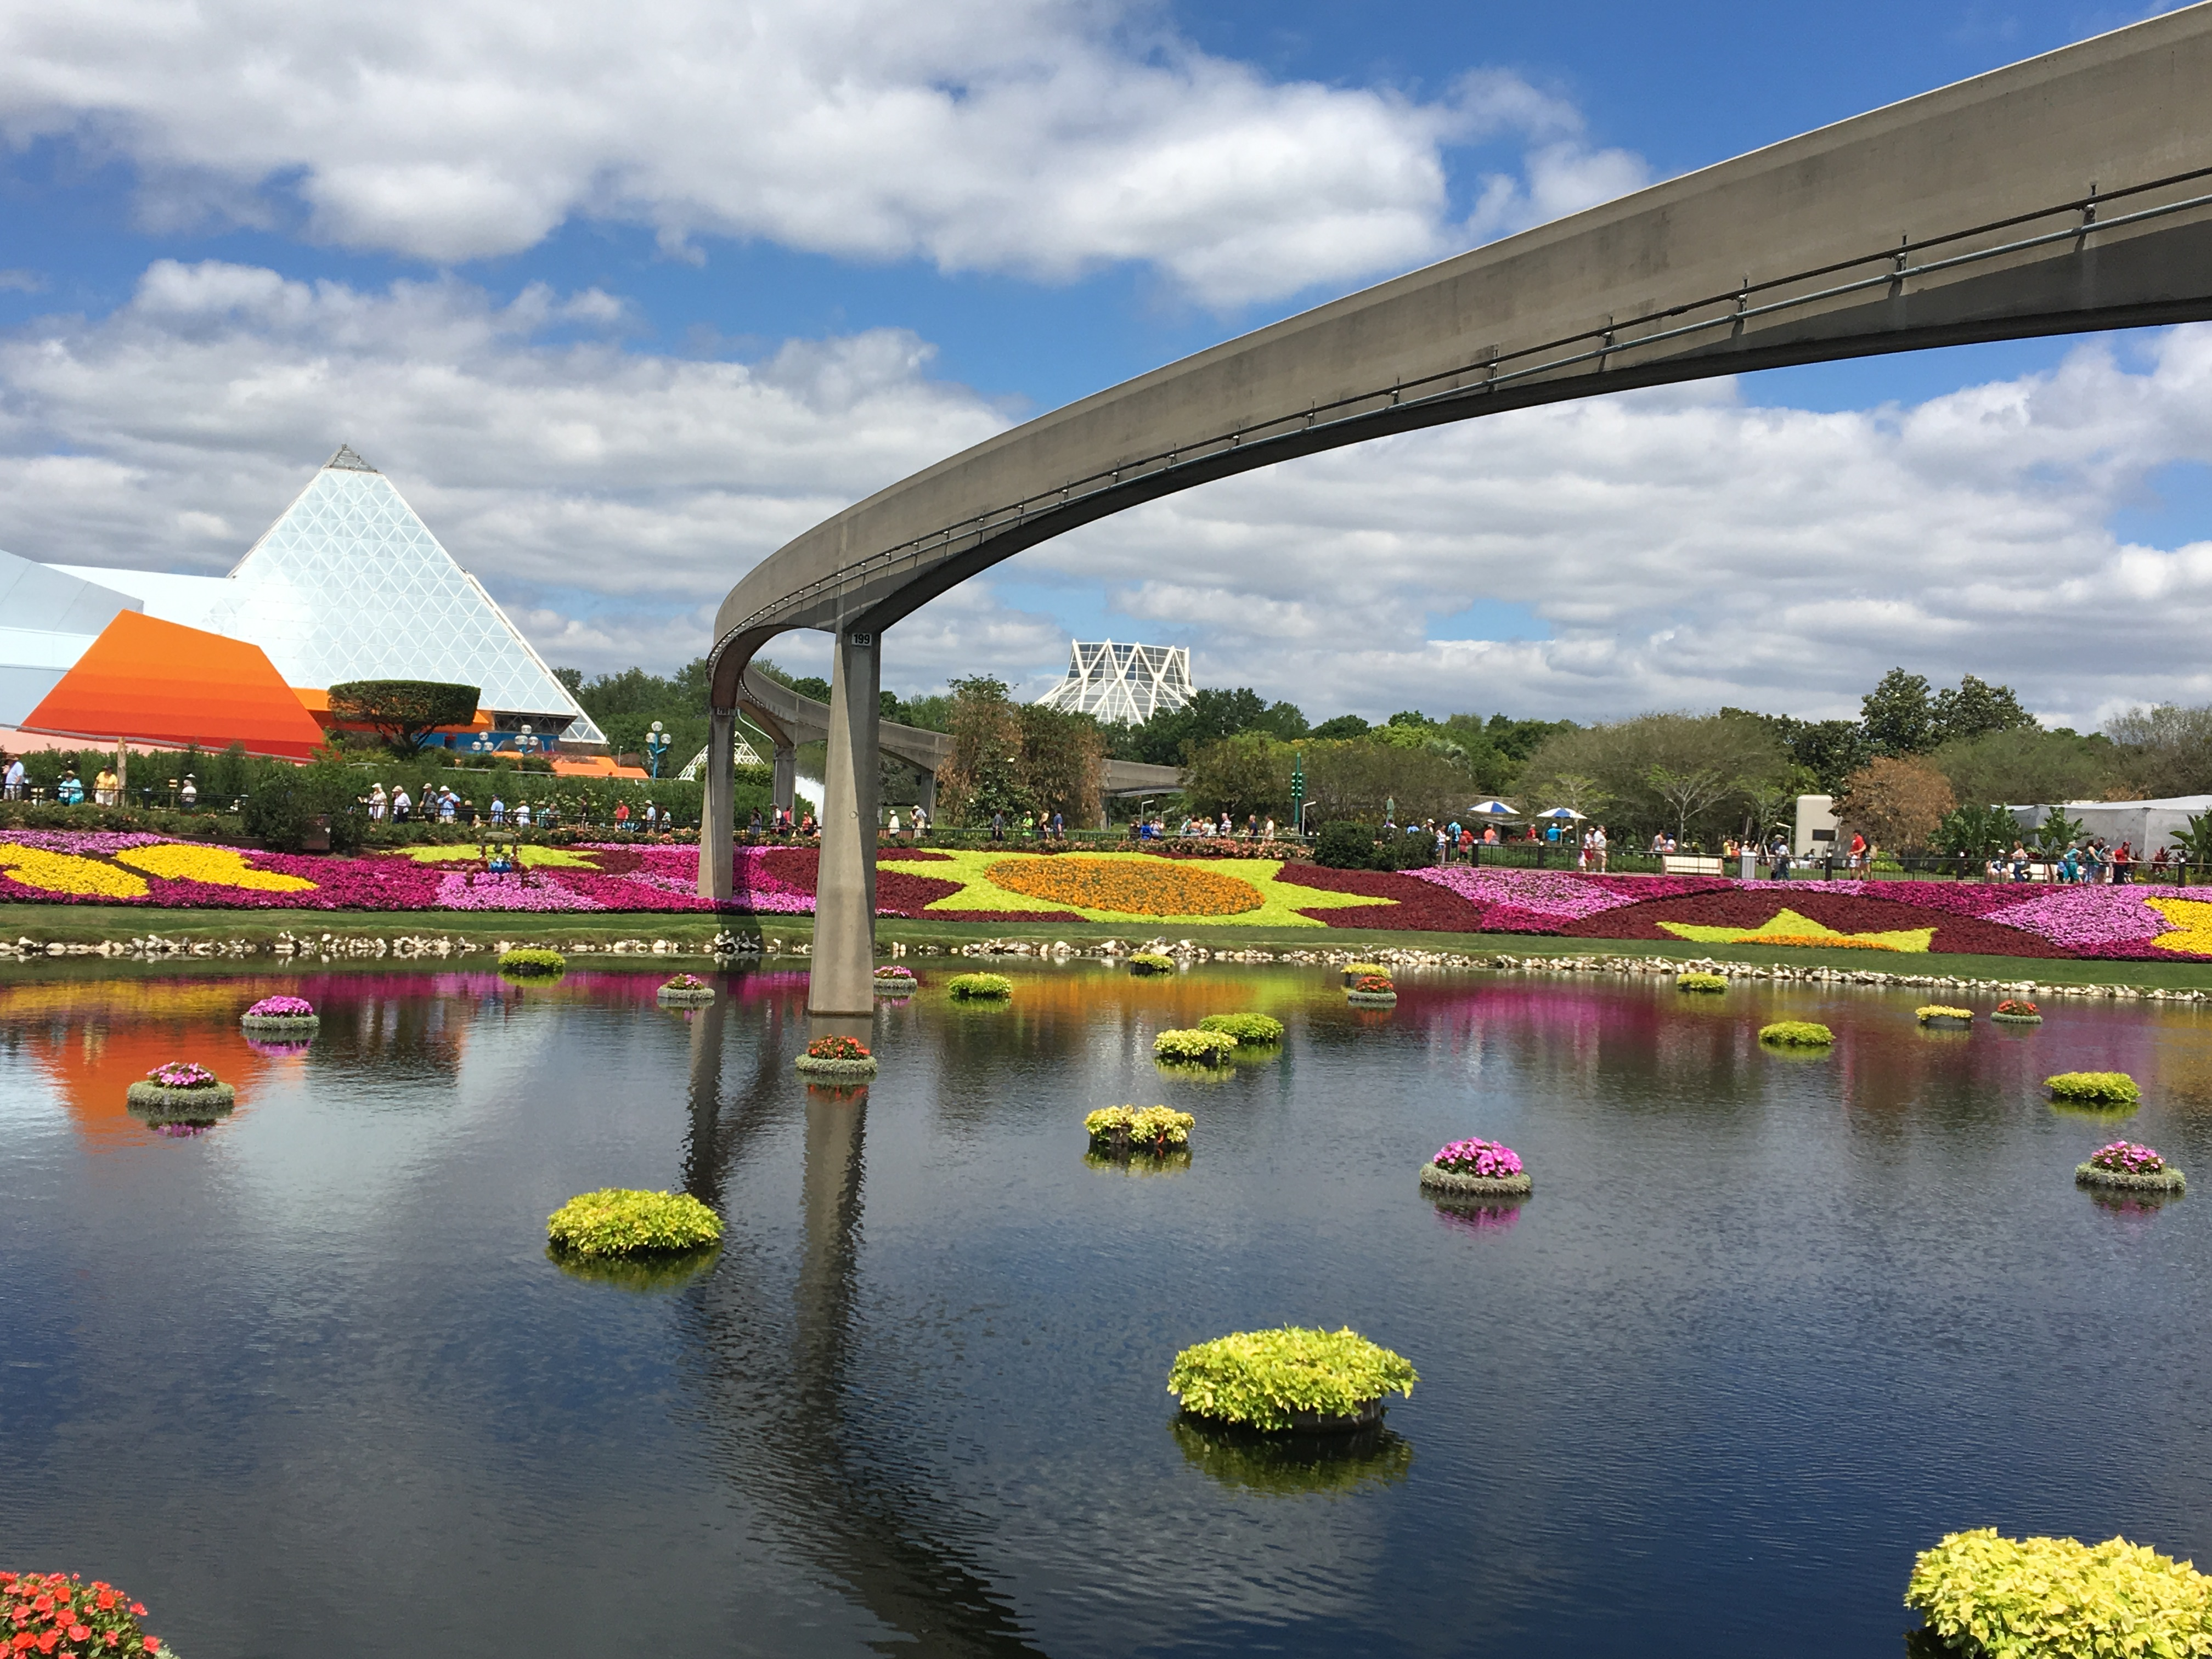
{"x":1492,"y":809}
{"x":2145,"y":825}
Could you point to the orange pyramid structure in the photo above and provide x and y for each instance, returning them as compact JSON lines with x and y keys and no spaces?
{"x":159,"y":683}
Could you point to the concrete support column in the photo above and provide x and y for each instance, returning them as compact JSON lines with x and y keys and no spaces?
{"x":929,"y":795}
{"x":787,"y":775}
{"x":717,"y":827}
{"x":841,"y":982}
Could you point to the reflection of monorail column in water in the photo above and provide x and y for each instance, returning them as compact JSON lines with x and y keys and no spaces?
{"x":702,"y":1170}
{"x":832,"y":1208}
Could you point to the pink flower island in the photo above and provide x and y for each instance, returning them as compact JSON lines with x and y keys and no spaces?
{"x":281,"y":1016}
{"x":180,"y":1092}
{"x":2123,"y":1166}
{"x":1475,"y":1169}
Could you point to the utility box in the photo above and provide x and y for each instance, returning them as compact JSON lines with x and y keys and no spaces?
{"x":1816,"y":827}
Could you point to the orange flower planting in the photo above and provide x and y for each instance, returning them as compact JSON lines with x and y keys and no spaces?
{"x":1134,"y":887}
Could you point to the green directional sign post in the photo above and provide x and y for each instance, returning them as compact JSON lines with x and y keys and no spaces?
{"x":1298,"y":790}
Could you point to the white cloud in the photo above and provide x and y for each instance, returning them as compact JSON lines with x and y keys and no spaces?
{"x":1684,"y":548}
{"x":1036,"y":136}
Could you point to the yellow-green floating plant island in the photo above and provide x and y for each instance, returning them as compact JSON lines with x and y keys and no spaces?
{"x":2059,"y":1598}
{"x":685,"y":991}
{"x":1120,"y":1131}
{"x":1251,"y":1031}
{"x":2125,"y":1167}
{"x":1356,"y":971}
{"x":532,"y":962}
{"x":2093,"y":1088}
{"x":1796,"y":1033}
{"x":1951,"y":1019}
{"x":836,"y":1057}
{"x":181,"y":1092}
{"x":1151,"y":961}
{"x":1289,"y":1379}
{"x":1372,"y":991}
{"x":1701,"y":982}
{"x":1194,"y":1047}
{"x":978,"y":987}
{"x":622,"y":1221}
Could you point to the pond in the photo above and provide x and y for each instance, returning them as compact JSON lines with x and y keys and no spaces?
{"x":1768,"y":1326}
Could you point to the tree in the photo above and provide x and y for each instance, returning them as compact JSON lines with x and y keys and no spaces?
{"x":1976,"y":709}
{"x":1895,"y":802}
{"x":1691,"y":790}
{"x":404,"y":712}
{"x":984,"y":775}
{"x":1342,"y":727}
{"x":2058,"y":832}
{"x":1172,"y":735}
{"x":1063,"y":756}
{"x":1680,"y":772}
{"x":2163,"y":751}
{"x":1898,"y":716}
{"x":1246,"y":774}
{"x":1975,"y":831}
{"x":2024,"y":765}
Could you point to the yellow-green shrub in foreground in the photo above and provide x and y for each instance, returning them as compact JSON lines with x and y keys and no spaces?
{"x":2059,"y":1598}
{"x":2110,"y":1088}
{"x":621,"y":1221}
{"x":1152,"y":1129}
{"x":1700,"y":982}
{"x":1200,"y":1047}
{"x":1798,"y":1034}
{"x":1262,"y":1378}
{"x":1251,"y":1031}
{"x":531,"y":959}
{"x":978,"y":987}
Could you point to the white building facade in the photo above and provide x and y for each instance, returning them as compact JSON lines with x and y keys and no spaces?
{"x":1123,"y":683}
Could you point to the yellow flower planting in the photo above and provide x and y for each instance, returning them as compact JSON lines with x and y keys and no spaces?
{"x":218,"y":866}
{"x":533,"y":856}
{"x":1788,"y":927}
{"x":1157,"y":887}
{"x":1249,"y":892}
{"x":65,"y":873}
{"x":2192,"y":925}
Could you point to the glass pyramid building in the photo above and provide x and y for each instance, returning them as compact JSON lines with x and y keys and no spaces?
{"x":349,"y":584}
{"x":1129,"y":683}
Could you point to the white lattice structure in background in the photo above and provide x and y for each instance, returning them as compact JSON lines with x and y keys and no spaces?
{"x":1129,"y":683}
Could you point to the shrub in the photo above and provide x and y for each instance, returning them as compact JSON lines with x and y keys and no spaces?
{"x":1263,"y":1379}
{"x":1491,"y":1160}
{"x":50,"y":1613}
{"x":2103,"y":1088}
{"x":1150,"y":1129}
{"x":837,"y":1048}
{"x":1202,"y":1048}
{"x":1796,"y":1033}
{"x":1938,"y":1011}
{"x":1343,"y":845}
{"x":2125,"y":1157}
{"x":527,"y":959}
{"x":979,"y":986}
{"x":1147,"y":962}
{"x":1374,"y":985}
{"x":621,"y":1221}
{"x":2059,"y":1598}
{"x":1700,"y":982}
{"x":1251,"y":1031}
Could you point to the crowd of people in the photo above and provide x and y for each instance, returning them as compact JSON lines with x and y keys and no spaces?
{"x":442,"y":804}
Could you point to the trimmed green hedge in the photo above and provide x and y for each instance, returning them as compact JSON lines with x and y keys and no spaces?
{"x":2099,"y":1088}
{"x":622,"y":1221}
{"x":2059,"y":1598}
{"x":1264,"y":1379}
{"x":978,"y":987}
{"x":1796,"y":1033}
{"x":1251,"y":1031}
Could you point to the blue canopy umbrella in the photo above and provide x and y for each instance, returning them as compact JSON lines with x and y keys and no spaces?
{"x":1560,"y":813}
{"x":1492,"y":809}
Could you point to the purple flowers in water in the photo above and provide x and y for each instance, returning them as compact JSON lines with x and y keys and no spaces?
{"x":182,"y":1074}
{"x":1490,"y":1159}
{"x":2125,"y":1157}
{"x":281,"y":1008}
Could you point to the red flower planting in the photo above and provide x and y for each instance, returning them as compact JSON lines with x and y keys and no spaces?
{"x":1421,"y":908}
{"x":49,"y":1612}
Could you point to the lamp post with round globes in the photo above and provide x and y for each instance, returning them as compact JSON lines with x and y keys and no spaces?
{"x":656,"y":745}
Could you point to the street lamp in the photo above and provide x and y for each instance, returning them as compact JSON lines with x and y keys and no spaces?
{"x":656,"y":745}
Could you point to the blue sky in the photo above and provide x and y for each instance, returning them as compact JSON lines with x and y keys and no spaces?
{"x":622,"y":301}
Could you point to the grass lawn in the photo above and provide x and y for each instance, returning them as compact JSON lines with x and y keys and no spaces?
{"x":92,"y":924}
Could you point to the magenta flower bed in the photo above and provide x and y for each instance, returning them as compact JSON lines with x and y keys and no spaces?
{"x":281,"y":1008}
{"x":1492,"y":1160}
{"x":182,"y":1074}
{"x":2125,"y":1157}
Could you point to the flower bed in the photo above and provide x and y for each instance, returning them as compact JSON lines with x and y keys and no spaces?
{"x":57,"y":1614}
{"x":2017,"y":1010}
{"x":836,"y":1056}
{"x":2059,"y":1598}
{"x":1796,"y":1033}
{"x":1936,"y":1014}
{"x":2093,"y":1088}
{"x":1147,"y":962}
{"x":1198,"y":1047}
{"x":1355,"y":971}
{"x":281,"y":1016}
{"x":1372,"y":991}
{"x":1251,"y":1031}
{"x":181,"y":1092}
{"x":1290,"y":1378}
{"x":685,"y":991}
{"x":978,"y":987}
{"x":1122,"y":1130}
{"x":2127,"y":1166}
{"x":1477,"y":1169}
{"x":617,"y":1221}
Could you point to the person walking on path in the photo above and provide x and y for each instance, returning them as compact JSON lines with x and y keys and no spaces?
{"x":1598,"y":849}
{"x":12,"y":784}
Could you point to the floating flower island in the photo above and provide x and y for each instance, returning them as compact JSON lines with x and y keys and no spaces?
{"x":1476,"y":1168}
{"x":684,"y":991}
{"x":836,"y":1056}
{"x":1706,"y":982}
{"x":1796,"y":1033}
{"x":281,"y":1016}
{"x":1151,"y":961}
{"x":1981,"y":1593}
{"x":1289,"y":1379}
{"x":1372,"y":991}
{"x":180,"y":1092}
{"x":60,"y":1614}
{"x":896,"y":981}
{"x":1937,"y":1017}
{"x":1196,"y":1047}
{"x":2014,"y":1011}
{"x":532,"y":962}
{"x":2129,"y":1168}
{"x":1124,"y":1131}
{"x":1356,"y":971}
{"x":624,"y":1223}
{"x":1259,"y":1033}
{"x":2093,"y":1089}
{"x":978,"y":987}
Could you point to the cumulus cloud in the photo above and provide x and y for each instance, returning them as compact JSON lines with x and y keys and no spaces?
{"x":1036,"y":136}
{"x":1679,"y":548}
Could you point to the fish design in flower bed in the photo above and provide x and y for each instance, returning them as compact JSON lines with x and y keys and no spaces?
{"x":1154,"y":1131}
{"x":894,"y":981}
{"x":281,"y":1016}
{"x":1289,"y":1379}
{"x":1148,"y":962}
{"x":836,"y":1056}
{"x":1477,"y":1169}
{"x":1197,"y":1048}
{"x":2017,"y":1010}
{"x":2099,"y":1088}
{"x":684,"y":991}
{"x":621,"y":1221}
{"x":2125,"y":1165}
{"x":1796,"y":1033}
{"x":59,"y":1616}
{"x":181,"y":1092}
{"x":1936,"y":1017}
{"x":1372,"y":991}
